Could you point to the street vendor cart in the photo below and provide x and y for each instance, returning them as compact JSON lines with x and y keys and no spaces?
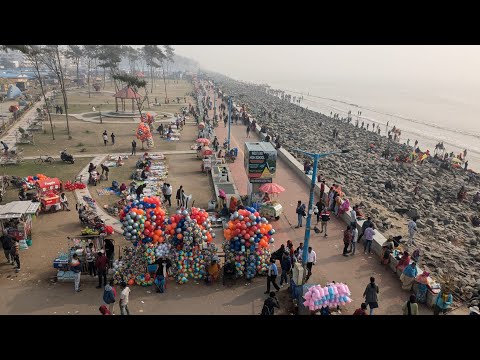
{"x":49,"y":194}
{"x":271,"y":209}
{"x":16,"y":218}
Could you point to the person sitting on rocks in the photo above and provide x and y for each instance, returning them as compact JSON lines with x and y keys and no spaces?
{"x":462,"y":194}
{"x":476,"y":197}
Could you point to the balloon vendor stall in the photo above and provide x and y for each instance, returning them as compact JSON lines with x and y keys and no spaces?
{"x":190,"y":233}
{"x":143,"y":131}
{"x":247,"y":242}
{"x":331,"y":295}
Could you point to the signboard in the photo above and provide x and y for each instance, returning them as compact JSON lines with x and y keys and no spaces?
{"x":260,"y":160}
{"x":260,"y":180}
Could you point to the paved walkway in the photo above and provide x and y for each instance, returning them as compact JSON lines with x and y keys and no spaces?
{"x":85,"y":155}
{"x":331,"y":265}
{"x":97,"y":160}
{"x":9,"y":137}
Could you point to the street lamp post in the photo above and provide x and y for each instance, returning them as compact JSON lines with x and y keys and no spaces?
{"x":229,"y":120}
{"x":214,"y":105}
{"x":316,"y":157}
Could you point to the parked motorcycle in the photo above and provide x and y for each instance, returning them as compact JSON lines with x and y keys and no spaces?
{"x":66,"y":157}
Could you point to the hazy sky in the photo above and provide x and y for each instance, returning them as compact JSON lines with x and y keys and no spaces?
{"x":449,"y":63}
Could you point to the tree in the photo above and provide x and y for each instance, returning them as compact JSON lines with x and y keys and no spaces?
{"x":75,"y":53}
{"x":132,"y":55}
{"x":50,"y":56}
{"x":110,"y":56}
{"x":91,"y":53}
{"x":169,"y":53}
{"x":32,"y":54}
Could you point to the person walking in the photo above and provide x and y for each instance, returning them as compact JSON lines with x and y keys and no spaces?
{"x":410,"y":307}
{"x":248,"y":131}
{"x":76,"y":267}
{"x":109,"y":296}
{"x":179,"y":196}
{"x":272,"y":276}
{"x":354,"y":240}
{"x":15,"y":252}
{"x":124,"y":295}
{"x":134,"y":147}
{"x":371,"y":295}
{"x":369,"y":233}
{"x":168,"y":194}
{"x":90,"y":257}
{"x":311,"y":260}
{"x":102,"y":265}
{"x":7,"y":243}
{"x":325,"y":217}
{"x":105,"y":139}
{"x":113,"y":138}
{"x":300,"y":213}
{"x":412,"y":229}
{"x":286,"y":264}
{"x":322,"y":190}
{"x":366,"y":224}
{"x":353,"y":215}
{"x":109,"y":245}
{"x":347,"y":239}
{"x":318,"y":209}
{"x":270,"y":304}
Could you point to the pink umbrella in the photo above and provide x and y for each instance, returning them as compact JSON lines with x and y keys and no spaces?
{"x":203,"y":141}
{"x":271,"y":188}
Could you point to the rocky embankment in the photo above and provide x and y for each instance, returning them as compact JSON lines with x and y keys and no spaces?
{"x":449,"y":241}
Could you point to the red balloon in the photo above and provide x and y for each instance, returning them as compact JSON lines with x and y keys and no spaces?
{"x":246,"y":236}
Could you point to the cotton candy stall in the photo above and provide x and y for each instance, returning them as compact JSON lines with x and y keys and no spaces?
{"x":331,"y":295}
{"x":247,"y":242}
{"x":189,"y":233}
{"x":143,"y":221}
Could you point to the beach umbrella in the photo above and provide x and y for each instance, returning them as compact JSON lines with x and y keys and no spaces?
{"x":271,"y":188}
{"x":203,"y":141}
{"x":206,"y":151}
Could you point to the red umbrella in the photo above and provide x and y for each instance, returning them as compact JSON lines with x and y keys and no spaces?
{"x":271,"y":188}
{"x":203,"y":141}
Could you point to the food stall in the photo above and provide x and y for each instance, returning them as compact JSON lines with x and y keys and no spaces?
{"x":49,"y":194}
{"x":271,"y":208}
{"x":16,"y":219}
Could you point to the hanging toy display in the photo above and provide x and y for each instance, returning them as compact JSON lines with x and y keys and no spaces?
{"x":132,"y":266}
{"x":143,"y":132}
{"x":190,"y":235}
{"x":143,"y":221}
{"x":247,"y":242}
{"x":332,"y":295}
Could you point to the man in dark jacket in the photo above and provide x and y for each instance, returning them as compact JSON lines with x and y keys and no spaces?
{"x":366,"y":224}
{"x":101,"y":265}
{"x":286,"y":264}
{"x":7,"y":245}
{"x":109,"y":249}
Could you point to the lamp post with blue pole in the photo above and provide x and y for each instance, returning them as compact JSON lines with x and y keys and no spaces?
{"x":229,"y":121}
{"x":316,"y":157}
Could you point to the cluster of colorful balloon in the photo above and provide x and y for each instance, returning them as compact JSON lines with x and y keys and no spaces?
{"x":144,"y":134}
{"x":331,"y":295}
{"x":247,"y":240}
{"x":162,"y":249}
{"x":132,"y":266}
{"x":30,"y":181}
{"x":148,"y":118}
{"x":150,"y":253}
{"x":190,"y":236}
{"x":143,"y":221}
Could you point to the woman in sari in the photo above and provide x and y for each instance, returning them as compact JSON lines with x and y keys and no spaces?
{"x":404,"y":261}
{"x":422,"y":287}
{"x":408,"y":276}
{"x":387,"y":249}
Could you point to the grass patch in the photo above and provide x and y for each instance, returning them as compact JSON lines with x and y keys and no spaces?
{"x":58,"y":169}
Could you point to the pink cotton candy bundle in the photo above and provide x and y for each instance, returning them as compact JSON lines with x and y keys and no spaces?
{"x":347,"y":290}
{"x":335,"y":290}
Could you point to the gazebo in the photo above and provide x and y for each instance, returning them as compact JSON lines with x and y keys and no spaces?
{"x":126,"y":93}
